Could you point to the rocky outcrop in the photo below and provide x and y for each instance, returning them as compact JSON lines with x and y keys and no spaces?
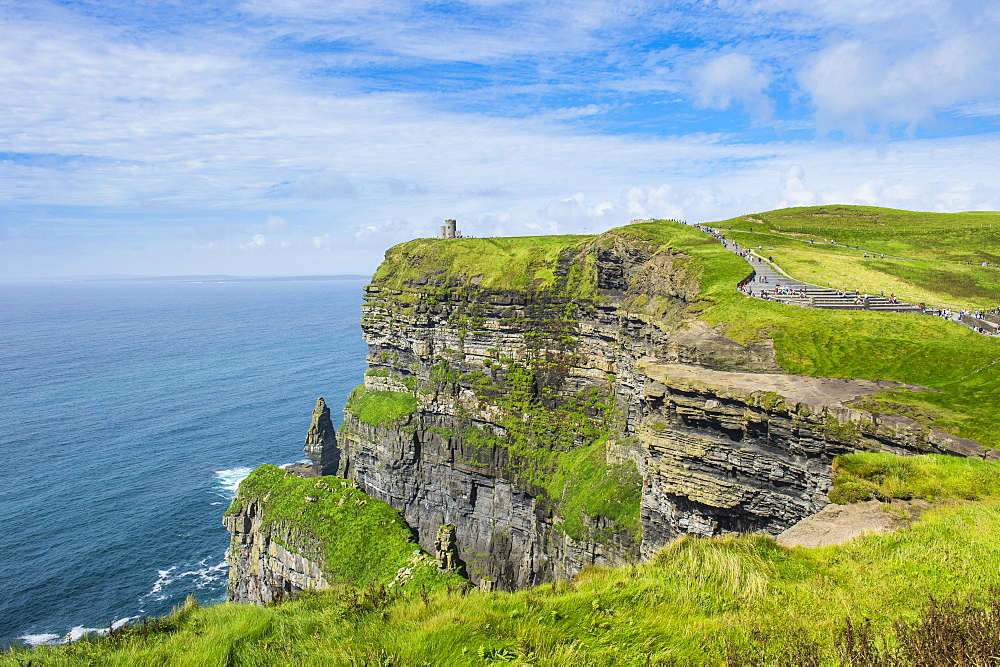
{"x":291,"y":533}
{"x":525,"y":402}
{"x":261,"y":569}
{"x":321,"y":441}
{"x":445,"y":549}
{"x":732,"y":452}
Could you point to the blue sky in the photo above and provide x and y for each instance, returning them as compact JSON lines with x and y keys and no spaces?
{"x":283,"y":137}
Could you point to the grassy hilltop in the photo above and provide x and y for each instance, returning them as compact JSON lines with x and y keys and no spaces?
{"x":935,"y":258}
{"x":926,"y":591}
{"x":958,"y":364}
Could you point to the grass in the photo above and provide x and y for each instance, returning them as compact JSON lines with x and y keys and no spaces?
{"x":380,"y":407}
{"x":588,"y":489}
{"x":877,"y":476}
{"x":359,"y":540}
{"x":511,"y":263}
{"x":738,"y":599}
{"x":941,"y":252}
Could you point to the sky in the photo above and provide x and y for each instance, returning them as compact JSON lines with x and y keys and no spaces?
{"x":303,"y":137}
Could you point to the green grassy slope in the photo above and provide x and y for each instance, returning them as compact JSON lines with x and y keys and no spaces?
{"x":698,"y":602}
{"x":517,"y":263}
{"x":363,"y":540}
{"x":930,"y":257}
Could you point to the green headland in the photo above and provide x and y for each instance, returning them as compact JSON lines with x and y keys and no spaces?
{"x":927,"y":593}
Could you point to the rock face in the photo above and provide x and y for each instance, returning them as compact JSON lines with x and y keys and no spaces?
{"x":321,"y":441}
{"x":261,"y":570}
{"x":580,"y":422}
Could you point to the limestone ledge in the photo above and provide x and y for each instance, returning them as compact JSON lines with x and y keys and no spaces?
{"x":735,"y":399}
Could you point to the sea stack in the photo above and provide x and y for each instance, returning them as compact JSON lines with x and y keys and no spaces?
{"x":321,"y":441}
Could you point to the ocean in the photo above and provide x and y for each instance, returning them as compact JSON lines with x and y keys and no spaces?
{"x":129,"y":412}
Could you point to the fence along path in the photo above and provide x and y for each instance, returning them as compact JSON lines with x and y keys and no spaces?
{"x":768,"y":281}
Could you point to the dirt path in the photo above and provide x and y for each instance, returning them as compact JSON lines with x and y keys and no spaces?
{"x":836,"y":524}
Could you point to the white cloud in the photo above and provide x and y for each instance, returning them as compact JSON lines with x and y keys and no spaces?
{"x":854,"y":84}
{"x":578,"y":211}
{"x":275,"y":223}
{"x":322,"y":242}
{"x":793,"y":188}
{"x":733,"y":78}
{"x":513,"y":118}
{"x":258,"y":241}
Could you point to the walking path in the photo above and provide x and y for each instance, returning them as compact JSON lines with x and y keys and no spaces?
{"x":769,"y":282}
{"x":828,"y":242}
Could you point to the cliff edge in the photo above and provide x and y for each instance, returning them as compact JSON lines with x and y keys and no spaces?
{"x":565,"y":401}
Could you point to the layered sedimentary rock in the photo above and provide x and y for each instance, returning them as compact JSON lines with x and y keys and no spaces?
{"x":291,"y":533}
{"x":321,"y":441}
{"x":587,"y":415}
{"x":261,"y":569}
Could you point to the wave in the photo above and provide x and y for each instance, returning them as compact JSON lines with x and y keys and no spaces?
{"x":75,"y":633}
{"x":172,"y":584}
{"x":162,"y":580}
{"x":39,"y":640}
{"x":229,"y":480}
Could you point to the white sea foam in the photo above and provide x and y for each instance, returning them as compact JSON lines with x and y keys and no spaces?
{"x":206,"y":575}
{"x":198,"y":576}
{"x":164,"y":578}
{"x":38,"y":640}
{"x":74,"y":634}
{"x":229,"y":480}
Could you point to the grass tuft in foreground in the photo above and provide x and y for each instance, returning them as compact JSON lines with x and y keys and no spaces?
{"x":875,"y":476}
{"x":917,"y":596}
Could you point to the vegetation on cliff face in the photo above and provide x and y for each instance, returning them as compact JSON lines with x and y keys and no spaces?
{"x":360,"y":540}
{"x":557,"y":443}
{"x":741,"y":600}
{"x":877,"y":476}
{"x":380,"y":407}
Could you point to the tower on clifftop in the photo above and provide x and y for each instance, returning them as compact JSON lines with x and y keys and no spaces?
{"x":448,"y":230}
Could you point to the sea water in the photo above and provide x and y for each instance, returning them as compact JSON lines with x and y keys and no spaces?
{"x":129,"y":412}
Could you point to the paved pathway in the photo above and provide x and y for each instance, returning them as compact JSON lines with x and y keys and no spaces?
{"x":769,"y":282}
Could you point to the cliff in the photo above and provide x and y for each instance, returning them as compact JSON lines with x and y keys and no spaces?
{"x":563,"y":401}
{"x":291,"y":534}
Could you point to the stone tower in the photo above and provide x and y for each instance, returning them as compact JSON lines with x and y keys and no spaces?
{"x":448,"y":230}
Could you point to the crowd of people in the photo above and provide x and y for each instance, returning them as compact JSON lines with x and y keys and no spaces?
{"x":759,"y":287}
